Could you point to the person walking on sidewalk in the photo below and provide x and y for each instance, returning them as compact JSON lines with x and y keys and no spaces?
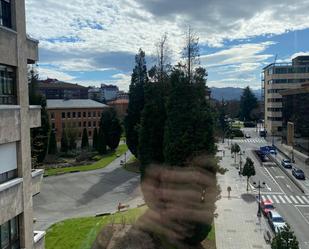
{"x":229,"y":189}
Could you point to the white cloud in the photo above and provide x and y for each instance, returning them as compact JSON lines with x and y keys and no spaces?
{"x":54,"y":74}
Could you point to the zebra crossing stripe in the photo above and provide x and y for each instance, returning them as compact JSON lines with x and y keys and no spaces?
{"x":288,"y":199}
{"x":306,"y":200}
{"x":282,"y":199}
{"x":300,"y":199}
{"x":276,"y":199}
{"x":292,"y":197}
{"x":269,"y":198}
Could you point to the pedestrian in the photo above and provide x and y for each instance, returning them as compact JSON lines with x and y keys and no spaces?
{"x":229,"y":189}
{"x":223,"y":153}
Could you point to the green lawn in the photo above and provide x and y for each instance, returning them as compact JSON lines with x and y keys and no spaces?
{"x":106,"y":160}
{"x":81,"y":233}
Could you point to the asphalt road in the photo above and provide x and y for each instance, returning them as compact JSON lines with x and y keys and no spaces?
{"x":289,"y":201}
{"x":85,"y":194}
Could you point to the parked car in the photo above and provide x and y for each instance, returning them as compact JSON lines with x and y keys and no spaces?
{"x":247,"y":135}
{"x":286,"y":163}
{"x":298,"y":174}
{"x":276,"y":221}
{"x":266,"y":206}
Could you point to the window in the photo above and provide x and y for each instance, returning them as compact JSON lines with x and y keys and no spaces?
{"x":94,"y":124}
{"x":7,"y":176}
{"x":99,"y":114}
{"x":7,"y":85}
{"x":74,"y":114}
{"x":68,"y":115}
{"x":63,"y":115}
{"x":90,"y":133}
{"x":9,"y":234}
{"x":5,"y":13}
{"x":53,"y":126}
{"x":89,"y":114}
{"x":84,"y":114}
{"x":85,"y":124}
{"x":79,"y":114}
{"x":52,"y":115}
{"x":79,"y":124}
{"x":89,"y":124}
{"x":94,"y":114}
{"x":80,"y":134}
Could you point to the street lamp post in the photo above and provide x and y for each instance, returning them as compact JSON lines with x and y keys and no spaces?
{"x":259,"y":186}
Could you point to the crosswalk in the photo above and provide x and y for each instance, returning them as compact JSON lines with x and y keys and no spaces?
{"x":287,"y":199}
{"x":253,"y":140}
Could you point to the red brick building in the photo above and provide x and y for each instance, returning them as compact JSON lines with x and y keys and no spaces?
{"x":120,"y":106}
{"x":75,"y":114}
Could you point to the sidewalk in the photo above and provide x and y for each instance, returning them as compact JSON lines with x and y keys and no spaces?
{"x":237,"y":225}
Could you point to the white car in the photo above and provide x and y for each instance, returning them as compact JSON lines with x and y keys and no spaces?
{"x":276,"y":221}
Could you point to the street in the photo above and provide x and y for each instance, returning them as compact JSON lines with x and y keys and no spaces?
{"x":85,"y":194}
{"x":288,"y":199}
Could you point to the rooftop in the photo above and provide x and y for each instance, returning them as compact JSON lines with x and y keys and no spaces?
{"x":73,"y":104}
{"x":59,"y":84}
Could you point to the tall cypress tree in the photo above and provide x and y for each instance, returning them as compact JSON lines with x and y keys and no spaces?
{"x":95,"y":139}
{"x":64,"y":142}
{"x":85,"y":140}
{"x":136,"y":102}
{"x":52,"y":146}
{"x":101,"y":142}
{"x":111,"y":127}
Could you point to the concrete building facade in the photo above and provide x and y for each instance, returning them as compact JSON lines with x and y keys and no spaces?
{"x":278,"y":77}
{"x":18,"y":182}
{"x":74,"y":115}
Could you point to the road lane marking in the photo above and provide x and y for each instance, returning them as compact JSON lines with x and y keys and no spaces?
{"x":269,"y":198}
{"x":276,"y":199}
{"x":292,"y":197}
{"x":305,"y":198}
{"x":288,"y":199}
{"x":300,"y":199}
{"x":274,"y":179}
{"x":282,"y":199}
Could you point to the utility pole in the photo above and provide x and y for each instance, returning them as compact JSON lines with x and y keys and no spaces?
{"x":259,"y":186}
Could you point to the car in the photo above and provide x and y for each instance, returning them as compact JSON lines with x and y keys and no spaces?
{"x":263,"y":133}
{"x":247,"y":135}
{"x":298,"y":174}
{"x":286,"y":163}
{"x":266,"y":206}
{"x":275,"y":221}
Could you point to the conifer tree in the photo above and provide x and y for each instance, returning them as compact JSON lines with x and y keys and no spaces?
{"x":85,"y":140}
{"x":136,"y":102}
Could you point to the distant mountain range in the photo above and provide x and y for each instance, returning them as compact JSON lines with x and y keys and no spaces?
{"x":230,"y":93}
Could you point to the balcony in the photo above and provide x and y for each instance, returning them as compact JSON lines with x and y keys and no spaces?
{"x":37,"y":177}
{"x":10,"y":122}
{"x":11,"y":197}
{"x":32,"y":50}
{"x":39,"y":240}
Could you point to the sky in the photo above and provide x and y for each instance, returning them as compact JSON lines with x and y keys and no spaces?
{"x":95,"y":41}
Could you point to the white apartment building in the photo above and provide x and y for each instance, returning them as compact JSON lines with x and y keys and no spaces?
{"x":18,"y":182}
{"x":277,"y":77}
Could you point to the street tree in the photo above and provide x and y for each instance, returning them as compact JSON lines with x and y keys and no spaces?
{"x":64,"y":142}
{"x":248,"y":103}
{"x":285,"y":239}
{"x":248,"y":170}
{"x":136,"y":102}
{"x":85,"y":140}
{"x":235,"y":149}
